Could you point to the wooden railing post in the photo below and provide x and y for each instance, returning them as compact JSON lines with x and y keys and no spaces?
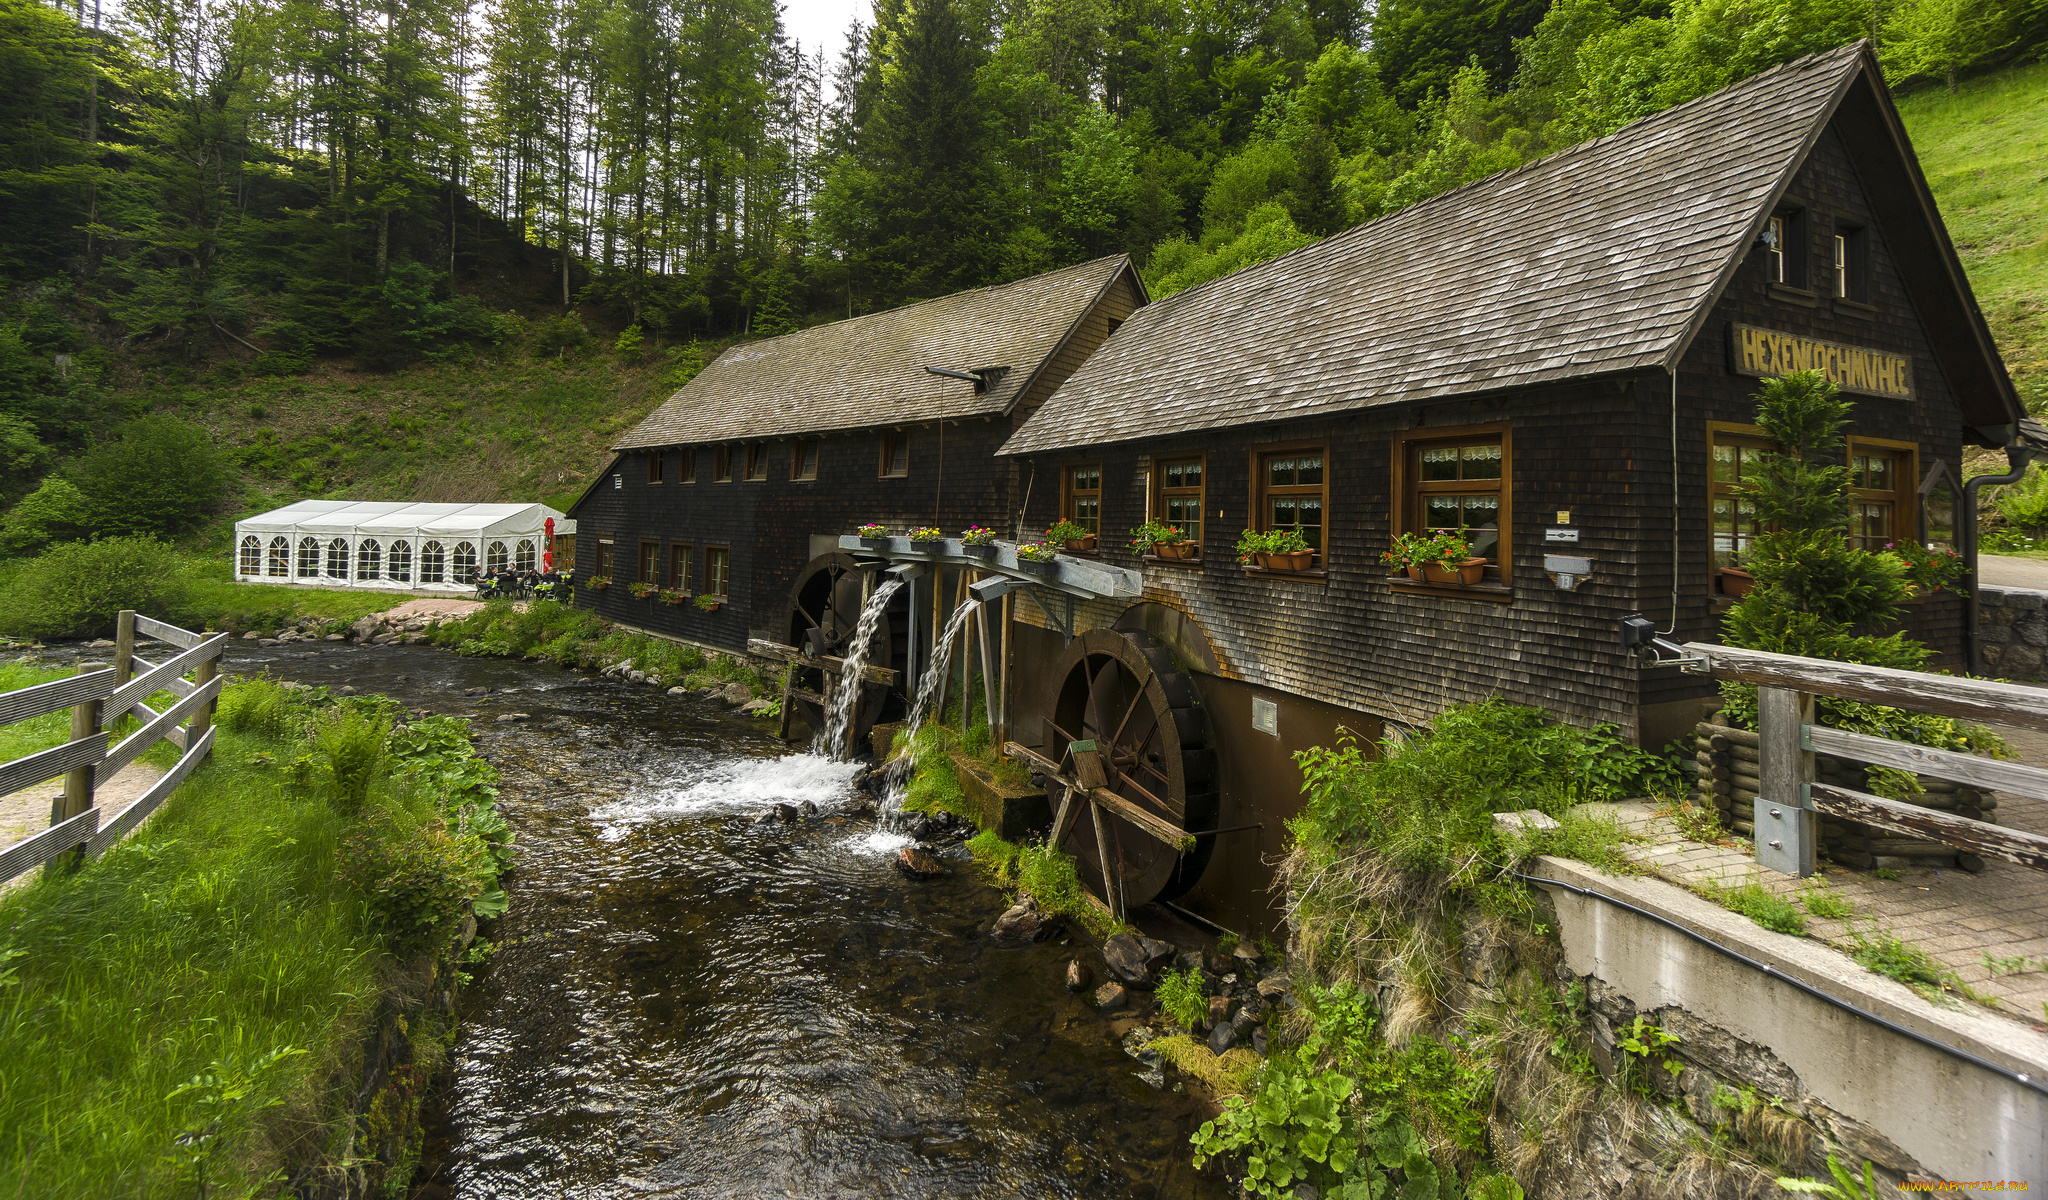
{"x":1787,"y":828}
{"x":124,"y":646}
{"x":202,"y":717}
{"x":77,"y":797}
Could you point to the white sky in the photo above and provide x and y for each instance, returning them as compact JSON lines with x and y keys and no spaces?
{"x":818,"y":23}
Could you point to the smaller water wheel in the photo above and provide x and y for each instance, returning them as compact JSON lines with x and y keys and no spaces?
{"x":824,"y":612}
{"x":1150,"y":779}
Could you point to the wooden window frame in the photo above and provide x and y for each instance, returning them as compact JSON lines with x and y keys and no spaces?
{"x":756,"y":462}
{"x":796,"y":459}
{"x":721,"y":464}
{"x":713,"y":585}
{"x":890,"y":439}
{"x":1850,"y":250}
{"x":1069,"y":494}
{"x":1259,"y":492}
{"x":1160,"y":493}
{"x":647,"y":569}
{"x":686,"y":464}
{"x":607,"y":558}
{"x":1905,"y":494}
{"x":1404,"y":509}
{"x":654,"y":465}
{"x":1718,"y":432}
{"x":681,"y":556}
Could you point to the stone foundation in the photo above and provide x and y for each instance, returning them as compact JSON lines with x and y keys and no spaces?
{"x":2012,"y":629}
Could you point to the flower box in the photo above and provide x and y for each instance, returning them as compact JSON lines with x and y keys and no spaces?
{"x":1735,"y":581}
{"x":1465,"y":574}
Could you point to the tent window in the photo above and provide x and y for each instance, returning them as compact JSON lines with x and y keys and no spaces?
{"x":497,"y":558}
{"x":337,"y":559}
{"x":309,"y":558}
{"x":280,"y":556}
{"x":433,"y":563}
{"x":369,"y":556}
{"x":465,"y":562}
{"x":522,"y":554}
{"x":400,"y":565}
{"x":252,"y":555}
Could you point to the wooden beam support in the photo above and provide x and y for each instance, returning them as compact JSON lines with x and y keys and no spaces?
{"x":768,"y":649}
{"x":1159,"y":827}
{"x":1910,"y":820}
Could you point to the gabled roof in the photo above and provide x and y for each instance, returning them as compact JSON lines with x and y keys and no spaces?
{"x":1602,"y":258}
{"x":869,"y":371}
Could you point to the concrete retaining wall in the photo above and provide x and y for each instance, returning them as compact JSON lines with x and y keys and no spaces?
{"x":1912,"y":1109}
{"x":2012,"y":626}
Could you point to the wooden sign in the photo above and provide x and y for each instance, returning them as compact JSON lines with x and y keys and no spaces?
{"x":1766,"y":352}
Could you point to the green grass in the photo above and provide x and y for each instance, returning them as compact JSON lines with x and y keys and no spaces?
{"x":1772,"y":912}
{"x":1983,"y":150}
{"x":1824,"y":901}
{"x":558,"y":633}
{"x":217,"y":933}
{"x":220,"y":603}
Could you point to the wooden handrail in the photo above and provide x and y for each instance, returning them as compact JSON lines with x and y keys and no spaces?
{"x":1988,"y":773}
{"x":1945,"y":695}
{"x":1910,"y":820}
{"x":153,"y":680}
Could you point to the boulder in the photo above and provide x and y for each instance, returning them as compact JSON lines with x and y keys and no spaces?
{"x":345,"y":690}
{"x":785,"y":813}
{"x":636,"y":676}
{"x":386,"y":638}
{"x":679,"y":690}
{"x":512,"y":718}
{"x":251,"y":636}
{"x":1273,"y":988}
{"x":367,"y":626}
{"x":335,"y":637}
{"x":1110,"y":997}
{"x":1222,"y":1037}
{"x":755,"y":708}
{"x":1131,"y":958}
{"x":808,"y":808}
{"x":1246,"y":952}
{"x":267,"y":642}
{"x":735,"y":694}
{"x":1220,"y":1010}
{"x":918,"y":863}
{"x":1020,"y":921}
{"x":1259,"y":1041}
{"x":1078,"y":975}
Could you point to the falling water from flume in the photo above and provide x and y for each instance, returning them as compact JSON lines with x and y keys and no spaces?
{"x":845,"y":698}
{"x":901,"y":769}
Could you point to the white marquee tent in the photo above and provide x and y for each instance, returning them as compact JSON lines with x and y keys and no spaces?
{"x":386,"y":544}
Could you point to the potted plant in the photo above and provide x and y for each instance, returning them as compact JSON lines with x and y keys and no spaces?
{"x":1161,"y":540}
{"x":641,"y":588}
{"x":1287,"y":550}
{"x":1448,"y":559}
{"x":709,"y":602}
{"x":874,"y":537}
{"x":1038,"y":558}
{"x":1735,"y":581}
{"x":672,"y":596}
{"x":977,"y":542}
{"x":1928,"y":569}
{"x":1075,"y":538}
{"x":1253,"y":547}
{"x":598,"y":583}
{"x":1407,"y":552}
{"x":928,"y":538}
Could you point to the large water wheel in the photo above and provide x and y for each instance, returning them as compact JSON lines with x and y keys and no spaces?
{"x":1124,"y":694}
{"x":824,"y":611}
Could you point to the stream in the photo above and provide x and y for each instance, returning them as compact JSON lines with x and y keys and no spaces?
{"x":685,"y":1003}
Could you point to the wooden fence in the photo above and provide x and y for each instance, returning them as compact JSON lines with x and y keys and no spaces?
{"x":97,"y":699}
{"x":1789,"y":803}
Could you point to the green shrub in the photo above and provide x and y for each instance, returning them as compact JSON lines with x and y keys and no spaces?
{"x":1180,"y":997}
{"x":351,"y":747}
{"x":415,"y":877}
{"x":77,"y":590}
{"x":157,"y":475}
{"x":55,"y":512}
{"x":258,"y":707}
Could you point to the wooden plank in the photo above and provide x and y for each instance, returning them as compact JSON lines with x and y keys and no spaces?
{"x":23,"y":703}
{"x":1070,"y":808}
{"x":1989,"y":774}
{"x":34,"y":768}
{"x":184,"y":639}
{"x":1945,"y":695}
{"x":1976,"y":837}
{"x":1112,"y":869}
{"x":155,"y":679}
{"x":146,"y":803}
{"x":174,"y":685}
{"x":1166,"y":831}
{"x":1030,"y":758}
{"x":135,"y":744}
{"x":869,"y":672}
{"x":37,"y":849}
{"x":1088,"y":770}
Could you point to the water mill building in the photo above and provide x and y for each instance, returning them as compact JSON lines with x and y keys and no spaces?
{"x":1560,"y":359}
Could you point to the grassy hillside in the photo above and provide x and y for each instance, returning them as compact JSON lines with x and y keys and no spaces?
{"x":510,"y":429}
{"x":1985,"y":151}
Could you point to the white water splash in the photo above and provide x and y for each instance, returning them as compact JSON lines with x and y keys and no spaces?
{"x":935,"y":672}
{"x":732,"y":785}
{"x":878,"y":841}
{"x":839,"y":721}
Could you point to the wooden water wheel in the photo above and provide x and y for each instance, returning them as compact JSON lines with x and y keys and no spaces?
{"x":824,"y":611}
{"x":1149,"y":779}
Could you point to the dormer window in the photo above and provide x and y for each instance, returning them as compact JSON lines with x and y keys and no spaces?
{"x":1785,"y":243}
{"x":1850,"y":274}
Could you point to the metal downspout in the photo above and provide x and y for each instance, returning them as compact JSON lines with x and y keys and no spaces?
{"x":2017,"y":456}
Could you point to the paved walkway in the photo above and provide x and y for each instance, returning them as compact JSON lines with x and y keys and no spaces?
{"x":1997,"y":570}
{"x":27,"y":811}
{"x":1959,"y":919}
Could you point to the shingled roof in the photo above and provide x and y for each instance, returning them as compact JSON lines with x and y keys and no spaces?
{"x":1601,"y":258}
{"x":869,"y":371}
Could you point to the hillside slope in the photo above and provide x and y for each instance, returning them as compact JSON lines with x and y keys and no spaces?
{"x":1985,"y":151}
